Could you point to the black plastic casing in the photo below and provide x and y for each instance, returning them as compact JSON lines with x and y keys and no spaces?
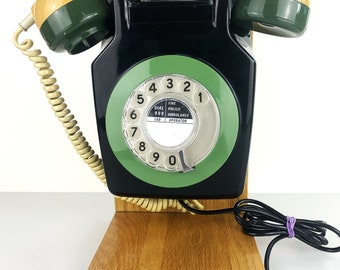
{"x":198,"y":29}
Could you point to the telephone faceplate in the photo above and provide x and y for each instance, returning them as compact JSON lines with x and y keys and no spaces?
{"x":205,"y":55}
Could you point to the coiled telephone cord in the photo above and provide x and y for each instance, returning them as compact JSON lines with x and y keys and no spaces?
{"x":59,"y":106}
{"x":71,"y":127}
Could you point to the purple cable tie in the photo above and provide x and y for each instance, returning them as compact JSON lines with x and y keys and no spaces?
{"x":290,"y":226}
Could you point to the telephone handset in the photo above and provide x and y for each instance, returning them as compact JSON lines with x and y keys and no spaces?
{"x":173,"y":86}
{"x":75,"y":25}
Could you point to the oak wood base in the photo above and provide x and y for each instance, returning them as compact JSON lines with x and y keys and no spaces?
{"x":138,"y":240}
{"x":141,"y":240}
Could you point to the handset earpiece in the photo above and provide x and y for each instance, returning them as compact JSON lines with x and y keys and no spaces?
{"x":72,"y":25}
{"x":285,"y":18}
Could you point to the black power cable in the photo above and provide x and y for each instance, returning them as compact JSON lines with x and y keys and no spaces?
{"x":259,"y":219}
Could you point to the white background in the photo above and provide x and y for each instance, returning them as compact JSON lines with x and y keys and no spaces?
{"x":296,"y":132}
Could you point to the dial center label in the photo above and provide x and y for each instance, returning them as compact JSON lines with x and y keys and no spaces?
{"x":170,"y":122}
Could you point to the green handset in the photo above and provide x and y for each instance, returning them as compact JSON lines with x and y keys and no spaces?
{"x":285,"y":18}
{"x":73,"y":25}
{"x":173,"y":86}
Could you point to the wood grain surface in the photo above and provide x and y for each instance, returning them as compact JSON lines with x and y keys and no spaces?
{"x":171,"y":240}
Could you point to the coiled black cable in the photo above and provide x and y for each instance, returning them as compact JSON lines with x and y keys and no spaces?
{"x":258,"y":219}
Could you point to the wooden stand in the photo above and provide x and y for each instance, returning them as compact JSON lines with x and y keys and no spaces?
{"x":140,"y":240}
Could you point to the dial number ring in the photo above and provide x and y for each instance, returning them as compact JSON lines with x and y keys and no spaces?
{"x":170,"y":112}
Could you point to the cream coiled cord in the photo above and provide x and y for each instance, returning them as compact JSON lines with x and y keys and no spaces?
{"x":69,"y":123}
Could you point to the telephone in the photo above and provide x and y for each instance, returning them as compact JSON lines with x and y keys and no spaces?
{"x":173,"y":86}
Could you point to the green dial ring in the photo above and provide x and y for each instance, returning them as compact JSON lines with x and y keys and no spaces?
{"x":286,"y":18}
{"x":191,"y":68}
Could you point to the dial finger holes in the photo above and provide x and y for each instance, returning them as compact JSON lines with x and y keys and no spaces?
{"x":168,"y":115}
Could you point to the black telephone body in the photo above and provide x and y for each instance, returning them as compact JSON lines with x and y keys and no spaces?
{"x":200,"y":30}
